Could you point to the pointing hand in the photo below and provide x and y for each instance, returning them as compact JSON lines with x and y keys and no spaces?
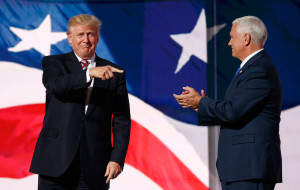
{"x":104,"y":72}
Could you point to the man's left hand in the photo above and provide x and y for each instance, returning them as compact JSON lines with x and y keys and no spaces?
{"x":189,"y":98}
{"x":113,"y":169}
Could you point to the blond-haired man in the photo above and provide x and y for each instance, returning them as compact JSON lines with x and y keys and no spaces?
{"x":85,"y":95}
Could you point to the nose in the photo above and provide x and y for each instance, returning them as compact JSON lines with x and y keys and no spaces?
{"x":86,"y":38}
{"x":229,"y":43}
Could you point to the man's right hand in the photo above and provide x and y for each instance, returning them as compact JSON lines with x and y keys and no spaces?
{"x":189,"y":98}
{"x":104,"y":72}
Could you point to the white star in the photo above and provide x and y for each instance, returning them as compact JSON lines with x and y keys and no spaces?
{"x":40,"y":38}
{"x":195,"y":42}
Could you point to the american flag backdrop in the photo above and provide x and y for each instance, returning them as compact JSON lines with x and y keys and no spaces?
{"x":163,"y":45}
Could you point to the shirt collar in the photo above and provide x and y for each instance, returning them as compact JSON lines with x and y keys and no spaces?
{"x":89,"y":60}
{"x":249,"y":56}
{"x":92,"y":61}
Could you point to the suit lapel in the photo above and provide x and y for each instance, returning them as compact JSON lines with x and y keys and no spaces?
{"x":72,"y":62}
{"x":247,"y":65}
{"x":250,"y":62}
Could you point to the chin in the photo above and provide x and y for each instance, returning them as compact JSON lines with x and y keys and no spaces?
{"x":87,"y":54}
{"x":233,"y":55}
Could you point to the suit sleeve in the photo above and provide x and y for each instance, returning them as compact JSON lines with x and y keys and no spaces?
{"x":248,"y":98}
{"x":59,"y":83}
{"x":121,"y":123}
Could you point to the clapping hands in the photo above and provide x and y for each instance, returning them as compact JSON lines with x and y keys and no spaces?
{"x":189,"y":98}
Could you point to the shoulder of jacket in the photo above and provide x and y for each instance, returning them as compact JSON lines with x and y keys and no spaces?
{"x":59,"y":57}
{"x":106,"y":62}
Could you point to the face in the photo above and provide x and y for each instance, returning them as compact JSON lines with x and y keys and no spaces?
{"x":84,"y":40}
{"x":237,"y":43}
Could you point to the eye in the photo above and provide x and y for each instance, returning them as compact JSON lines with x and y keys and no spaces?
{"x":92,"y":34}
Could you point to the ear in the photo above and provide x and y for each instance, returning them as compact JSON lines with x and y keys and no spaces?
{"x":98,"y":37}
{"x":69,"y":38}
{"x":247,"y":39}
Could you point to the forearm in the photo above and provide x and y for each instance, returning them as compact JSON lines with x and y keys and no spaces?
{"x":121,"y":123}
{"x":121,"y":134}
{"x":58,"y":81}
{"x":234,"y":110}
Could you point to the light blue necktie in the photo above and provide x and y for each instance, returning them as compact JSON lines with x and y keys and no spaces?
{"x":238,"y":70}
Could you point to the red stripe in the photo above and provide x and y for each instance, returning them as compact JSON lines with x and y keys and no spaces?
{"x":150,"y":156}
{"x":20,"y":127}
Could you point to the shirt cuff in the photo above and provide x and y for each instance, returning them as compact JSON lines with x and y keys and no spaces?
{"x":88,"y":78}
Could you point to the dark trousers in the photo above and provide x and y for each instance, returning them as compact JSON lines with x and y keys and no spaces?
{"x":249,"y":185}
{"x":72,"y":179}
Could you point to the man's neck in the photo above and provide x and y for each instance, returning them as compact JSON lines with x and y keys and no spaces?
{"x":249,"y":57}
{"x":91,"y":58}
{"x":249,"y":51}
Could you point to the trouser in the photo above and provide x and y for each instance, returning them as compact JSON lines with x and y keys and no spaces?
{"x":72,"y":179}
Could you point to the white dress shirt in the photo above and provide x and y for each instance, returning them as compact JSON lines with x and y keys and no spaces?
{"x":92,"y":63}
{"x":249,"y":56}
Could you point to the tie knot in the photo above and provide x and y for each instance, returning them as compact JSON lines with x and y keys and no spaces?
{"x":84,"y":63}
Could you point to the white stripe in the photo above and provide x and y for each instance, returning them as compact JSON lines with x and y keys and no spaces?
{"x":20,"y":85}
{"x":27,"y":183}
{"x":290,"y":141}
{"x":160,"y":125}
{"x":132,"y":179}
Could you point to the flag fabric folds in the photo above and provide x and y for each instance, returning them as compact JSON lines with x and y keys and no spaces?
{"x":163,"y":46}
{"x":167,"y":150}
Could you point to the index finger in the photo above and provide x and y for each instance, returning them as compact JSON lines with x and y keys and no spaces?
{"x":110,"y":176}
{"x":187,"y":88}
{"x":179,"y":97}
{"x":113,"y":69}
{"x":176,"y":96}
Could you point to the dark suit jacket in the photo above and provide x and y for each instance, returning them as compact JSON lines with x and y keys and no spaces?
{"x":249,"y":143}
{"x":66,"y":128}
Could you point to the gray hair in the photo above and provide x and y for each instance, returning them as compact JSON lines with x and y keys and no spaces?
{"x":254,"y":27}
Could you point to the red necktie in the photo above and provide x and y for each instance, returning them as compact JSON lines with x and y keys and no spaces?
{"x":84,"y":64}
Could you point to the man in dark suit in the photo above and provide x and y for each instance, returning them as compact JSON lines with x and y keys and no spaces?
{"x":85,"y":96}
{"x":249,"y":155}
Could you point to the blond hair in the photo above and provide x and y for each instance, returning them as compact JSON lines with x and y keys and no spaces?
{"x":84,"y":19}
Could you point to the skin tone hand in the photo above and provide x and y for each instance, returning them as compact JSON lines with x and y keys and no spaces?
{"x":113,"y":169}
{"x":189,"y":98}
{"x":104,"y":72}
